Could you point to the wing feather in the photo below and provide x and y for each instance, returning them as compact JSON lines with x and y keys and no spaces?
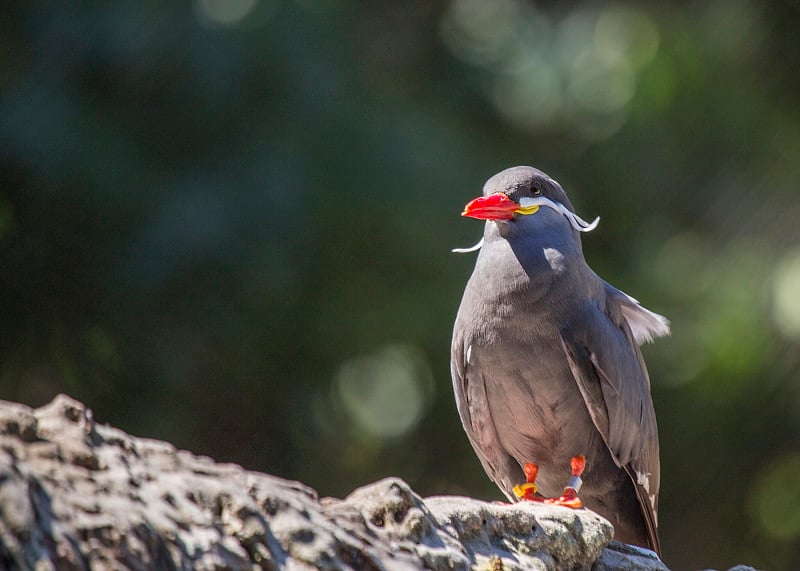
{"x":605,"y":360}
{"x":473,"y":408}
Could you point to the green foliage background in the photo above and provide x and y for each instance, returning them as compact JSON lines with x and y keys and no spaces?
{"x":228,"y":224}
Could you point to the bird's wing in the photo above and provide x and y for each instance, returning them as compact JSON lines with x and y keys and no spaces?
{"x":604,"y":358}
{"x":645,"y":325}
{"x":473,"y":407}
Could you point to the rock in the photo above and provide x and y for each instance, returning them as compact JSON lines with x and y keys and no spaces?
{"x":622,"y":557}
{"x":78,"y":495}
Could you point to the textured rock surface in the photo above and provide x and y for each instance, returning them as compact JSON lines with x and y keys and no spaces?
{"x":77,"y":495}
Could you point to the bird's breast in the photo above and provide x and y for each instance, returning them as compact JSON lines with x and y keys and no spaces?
{"x":535,"y":404}
{"x":538,"y":412}
{"x":515,"y":305}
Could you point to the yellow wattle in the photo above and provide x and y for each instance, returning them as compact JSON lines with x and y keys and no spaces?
{"x":526,"y":209}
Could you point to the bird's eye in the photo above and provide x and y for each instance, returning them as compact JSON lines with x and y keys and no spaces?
{"x":536,"y":189}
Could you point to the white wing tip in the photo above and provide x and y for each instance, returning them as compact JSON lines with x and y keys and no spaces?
{"x":645,"y":325}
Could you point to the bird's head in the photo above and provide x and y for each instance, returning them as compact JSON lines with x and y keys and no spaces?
{"x":522,"y":191}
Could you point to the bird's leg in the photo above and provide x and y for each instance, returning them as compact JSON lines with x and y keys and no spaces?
{"x":527,"y":491}
{"x":570,"y":497}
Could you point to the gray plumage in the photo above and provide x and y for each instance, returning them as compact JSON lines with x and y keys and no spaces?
{"x":546,"y":365}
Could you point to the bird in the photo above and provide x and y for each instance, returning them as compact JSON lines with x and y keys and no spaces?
{"x":548,"y":376}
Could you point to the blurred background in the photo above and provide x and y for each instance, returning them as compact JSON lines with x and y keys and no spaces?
{"x":228,"y":223}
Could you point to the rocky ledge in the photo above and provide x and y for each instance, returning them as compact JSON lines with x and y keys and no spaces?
{"x":78,"y":495}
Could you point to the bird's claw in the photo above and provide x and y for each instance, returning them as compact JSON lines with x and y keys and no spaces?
{"x":569,"y":499}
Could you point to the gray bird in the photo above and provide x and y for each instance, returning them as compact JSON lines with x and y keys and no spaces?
{"x":546,"y":363}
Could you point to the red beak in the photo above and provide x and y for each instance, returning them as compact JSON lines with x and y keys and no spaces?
{"x":497,"y":206}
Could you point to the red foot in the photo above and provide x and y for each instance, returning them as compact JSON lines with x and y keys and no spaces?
{"x":569,"y":498}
